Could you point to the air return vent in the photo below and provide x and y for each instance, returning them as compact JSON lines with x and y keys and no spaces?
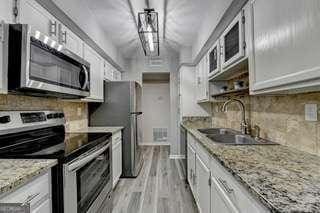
{"x":155,"y":62}
{"x":160,"y":134}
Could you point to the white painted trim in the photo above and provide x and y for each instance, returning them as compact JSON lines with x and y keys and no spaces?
{"x":155,"y":144}
{"x":177,"y":156}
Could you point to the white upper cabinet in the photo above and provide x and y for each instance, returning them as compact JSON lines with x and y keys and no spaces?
{"x":70,"y":40}
{"x":233,"y":41}
{"x":214,"y":59}
{"x":202,"y":80}
{"x":96,"y":74}
{"x":116,"y":75}
{"x":38,"y":18}
{"x":6,"y":11}
{"x":286,"y":47}
{"x":107,"y":71}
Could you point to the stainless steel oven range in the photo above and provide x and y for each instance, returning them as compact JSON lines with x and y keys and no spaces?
{"x":82,"y":180}
{"x":38,"y":65}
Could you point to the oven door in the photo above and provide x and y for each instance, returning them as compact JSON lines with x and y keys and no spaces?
{"x":88,"y":181}
{"x":45,"y":65}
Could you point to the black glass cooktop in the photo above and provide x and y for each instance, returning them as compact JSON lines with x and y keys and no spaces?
{"x":49,"y":143}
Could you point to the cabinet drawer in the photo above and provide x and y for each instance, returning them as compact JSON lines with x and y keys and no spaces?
{"x":39,"y":188}
{"x":240,"y":197}
{"x":116,"y":137}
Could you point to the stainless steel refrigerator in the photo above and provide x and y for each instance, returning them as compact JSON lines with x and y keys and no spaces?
{"x":122,"y":107}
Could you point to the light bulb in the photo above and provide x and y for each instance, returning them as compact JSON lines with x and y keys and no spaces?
{"x":150,"y":38}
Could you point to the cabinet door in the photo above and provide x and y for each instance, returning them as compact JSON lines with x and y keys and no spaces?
{"x":232,"y":41}
{"x":107,"y":71}
{"x":220,"y":202}
{"x":203,"y":185}
{"x":40,"y":19}
{"x":116,"y":162}
{"x":198,"y":81}
{"x":70,"y":40}
{"x":214,"y":59}
{"x":191,"y":164}
{"x":96,"y":74}
{"x":286,"y":47}
{"x":45,"y":207}
{"x":6,"y":14}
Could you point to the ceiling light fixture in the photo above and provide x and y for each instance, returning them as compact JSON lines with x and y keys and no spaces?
{"x":148,"y":30}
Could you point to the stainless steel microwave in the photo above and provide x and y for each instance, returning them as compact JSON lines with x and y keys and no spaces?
{"x":38,"y":65}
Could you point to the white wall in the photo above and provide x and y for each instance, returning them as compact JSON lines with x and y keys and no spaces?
{"x":155,"y":108}
{"x":78,"y":11}
{"x":134,"y":67}
{"x":211,"y":19}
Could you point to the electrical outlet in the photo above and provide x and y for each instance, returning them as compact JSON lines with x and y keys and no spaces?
{"x":79,"y":111}
{"x":311,"y":112}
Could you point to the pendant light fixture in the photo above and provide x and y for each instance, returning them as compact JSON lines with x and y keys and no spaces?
{"x":149,"y":32}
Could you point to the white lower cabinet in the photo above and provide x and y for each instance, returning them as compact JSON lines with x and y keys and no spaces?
{"x":116,"y":157}
{"x":215,"y":190}
{"x":36,"y":193}
{"x":203,"y":185}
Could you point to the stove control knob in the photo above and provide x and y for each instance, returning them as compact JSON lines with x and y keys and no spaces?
{"x":5,"y":119}
{"x":61,"y":115}
{"x":50,"y":116}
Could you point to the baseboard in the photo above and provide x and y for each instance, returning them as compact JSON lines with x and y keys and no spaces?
{"x":177,"y":156}
{"x":154,"y":144}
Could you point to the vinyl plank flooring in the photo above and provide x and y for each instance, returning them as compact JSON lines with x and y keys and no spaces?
{"x":159,"y":188}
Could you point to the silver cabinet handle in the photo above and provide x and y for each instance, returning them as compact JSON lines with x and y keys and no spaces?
{"x":53,"y":28}
{"x":86,"y":77}
{"x":191,"y":175}
{"x":64,"y":37}
{"x":29,"y":199}
{"x":225,"y":185}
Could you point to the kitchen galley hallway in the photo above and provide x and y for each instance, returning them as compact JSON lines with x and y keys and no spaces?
{"x":159,"y":188}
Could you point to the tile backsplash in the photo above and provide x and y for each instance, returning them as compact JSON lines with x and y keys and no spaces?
{"x":76,"y":113}
{"x":281,"y":119}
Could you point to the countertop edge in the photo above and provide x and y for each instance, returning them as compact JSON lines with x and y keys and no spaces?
{"x":25,"y":179}
{"x":242,"y":182}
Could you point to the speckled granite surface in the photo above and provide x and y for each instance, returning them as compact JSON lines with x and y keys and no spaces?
{"x":16,"y":172}
{"x":112,"y":129}
{"x":282,"y":178}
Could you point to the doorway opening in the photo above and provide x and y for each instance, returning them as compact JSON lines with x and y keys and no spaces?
{"x":156,"y":108}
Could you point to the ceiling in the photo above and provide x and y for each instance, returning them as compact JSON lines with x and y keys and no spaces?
{"x":179,"y":21}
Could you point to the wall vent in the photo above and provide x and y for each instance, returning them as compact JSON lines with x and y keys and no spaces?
{"x":155,"y":62}
{"x":160,"y":134}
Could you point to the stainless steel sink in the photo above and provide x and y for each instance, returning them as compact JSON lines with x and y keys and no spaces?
{"x":238,"y":140}
{"x":232,"y":137}
{"x":215,"y":131}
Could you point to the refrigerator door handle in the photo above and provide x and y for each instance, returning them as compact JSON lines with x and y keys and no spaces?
{"x":135,"y":113}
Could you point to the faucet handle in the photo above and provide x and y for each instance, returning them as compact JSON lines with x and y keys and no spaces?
{"x":256,"y":132}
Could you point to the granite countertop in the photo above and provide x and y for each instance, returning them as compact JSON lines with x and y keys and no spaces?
{"x":16,"y":172}
{"x":282,"y":178}
{"x":95,"y":129}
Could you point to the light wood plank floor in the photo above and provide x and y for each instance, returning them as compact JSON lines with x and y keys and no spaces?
{"x":159,"y":188}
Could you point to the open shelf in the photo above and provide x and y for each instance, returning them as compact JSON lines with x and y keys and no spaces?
{"x":242,"y":91}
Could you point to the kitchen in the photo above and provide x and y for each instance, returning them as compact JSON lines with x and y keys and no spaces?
{"x":159,"y":106}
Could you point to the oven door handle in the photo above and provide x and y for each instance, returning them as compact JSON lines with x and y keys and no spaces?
{"x":78,"y":164}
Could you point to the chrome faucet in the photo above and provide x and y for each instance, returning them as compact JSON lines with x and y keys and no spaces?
{"x":245,"y":128}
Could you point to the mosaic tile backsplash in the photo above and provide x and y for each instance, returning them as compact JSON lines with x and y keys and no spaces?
{"x":281,"y":119}
{"x":76,"y":113}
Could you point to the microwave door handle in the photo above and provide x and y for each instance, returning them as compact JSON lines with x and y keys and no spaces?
{"x":83,"y":161}
{"x":86,"y":75}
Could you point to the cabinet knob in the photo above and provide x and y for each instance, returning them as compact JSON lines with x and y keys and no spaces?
{"x":5,"y":119}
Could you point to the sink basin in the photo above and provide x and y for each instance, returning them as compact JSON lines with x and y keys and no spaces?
{"x":215,"y":131}
{"x":238,"y":140}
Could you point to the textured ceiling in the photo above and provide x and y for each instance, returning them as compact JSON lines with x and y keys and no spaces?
{"x":181,"y":18}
